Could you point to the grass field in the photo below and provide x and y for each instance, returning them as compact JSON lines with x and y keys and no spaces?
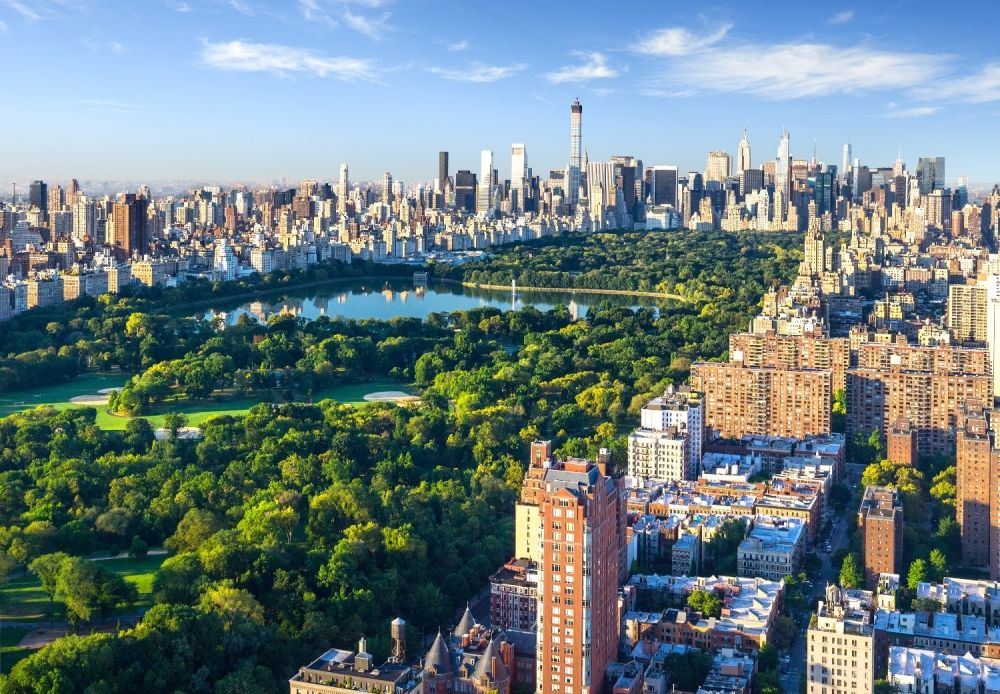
{"x":10,"y":650}
{"x":24,"y":600}
{"x":197,"y":413}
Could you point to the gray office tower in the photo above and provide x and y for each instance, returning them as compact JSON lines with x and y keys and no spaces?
{"x":442,"y":171}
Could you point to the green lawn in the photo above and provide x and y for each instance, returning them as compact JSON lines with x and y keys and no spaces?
{"x":10,"y":650}
{"x":24,"y":600}
{"x":197,"y":413}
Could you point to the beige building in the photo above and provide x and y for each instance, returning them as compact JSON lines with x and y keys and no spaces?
{"x":967,"y":312}
{"x":773,"y":548}
{"x":844,"y":652}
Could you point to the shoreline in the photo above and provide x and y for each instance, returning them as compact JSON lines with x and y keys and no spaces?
{"x":576,"y":290}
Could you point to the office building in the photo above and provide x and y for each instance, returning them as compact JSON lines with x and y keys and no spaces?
{"x":663,"y":185}
{"x":575,"y":136}
{"x":880,"y":519}
{"x":764,"y":400}
{"x":465,"y":190}
{"x":783,"y":177}
{"x":930,"y":174}
{"x":518,"y":166}
{"x":442,"y":171}
{"x":581,"y":514}
{"x":719,"y":166}
{"x":38,"y":196}
{"x":743,"y":154}
{"x":484,"y":193}
{"x":845,"y":654}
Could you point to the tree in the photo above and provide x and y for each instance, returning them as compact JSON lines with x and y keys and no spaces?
{"x":138,"y":549}
{"x":840,"y":495}
{"x":47,"y":568}
{"x":917,"y":573}
{"x":688,"y":670}
{"x":193,"y":529}
{"x":707,"y":603}
{"x":851,"y":574}
{"x":938,"y":564}
{"x":785,"y":632}
{"x":925,"y":605}
{"x":882,"y":686}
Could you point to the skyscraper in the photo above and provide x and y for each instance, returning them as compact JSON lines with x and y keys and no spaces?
{"x":129,"y":232}
{"x":663,"y":185}
{"x":442,"y":171}
{"x":845,"y":162}
{"x":387,"y":187}
{"x":38,"y":195}
{"x":783,"y":175}
{"x":465,"y":190}
{"x":718,"y":167}
{"x":930,"y":174}
{"x":518,"y":165}
{"x":976,"y":484}
{"x":485,"y":192}
{"x":743,"y":154}
{"x":575,"y":135}
{"x":342,"y":189}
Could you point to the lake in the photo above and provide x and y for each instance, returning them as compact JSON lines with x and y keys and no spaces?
{"x":381,"y":300}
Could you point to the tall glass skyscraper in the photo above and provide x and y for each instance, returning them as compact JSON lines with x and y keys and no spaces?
{"x":575,"y":124}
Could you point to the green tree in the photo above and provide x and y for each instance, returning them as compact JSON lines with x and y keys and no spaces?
{"x":47,"y":568}
{"x":707,"y":603}
{"x":938,"y":564}
{"x":917,"y":573}
{"x":851,"y":574}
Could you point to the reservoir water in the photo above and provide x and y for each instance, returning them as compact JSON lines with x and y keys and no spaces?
{"x":381,"y":300}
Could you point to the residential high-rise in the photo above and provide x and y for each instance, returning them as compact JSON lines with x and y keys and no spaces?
{"x":880,"y":519}
{"x":795,"y":352}
{"x":343,"y":189}
{"x":129,"y":233}
{"x":663,"y":185}
{"x":845,"y":653}
{"x":387,"y":187}
{"x":575,"y":136}
{"x":967,"y":317}
{"x":845,"y":162}
{"x":743,"y":154}
{"x":484,"y":195}
{"x":442,"y":171}
{"x":993,"y":327}
{"x":923,"y":384}
{"x":763,"y":400}
{"x":977,"y":483}
{"x":718,"y":167}
{"x":581,"y":522}
{"x":668,"y":443}
{"x":783,"y":176}
{"x":930,"y":174}
{"x":38,"y":195}
{"x":84,"y":219}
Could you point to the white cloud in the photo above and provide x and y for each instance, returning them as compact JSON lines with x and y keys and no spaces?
{"x":842,"y":17}
{"x":978,"y":88}
{"x":680,"y":41}
{"x":478,"y":72}
{"x":97,"y":47}
{"x":792,"y":70}
{"x":333,"y":13}
{"x":372,"y":27}
{"x":242,"y":8}
{"x":458,"y":46}
{"x":178,"y":6}
{"x":243,"y":56}
{"x":594,"y":66}
{"x":915,"y":112}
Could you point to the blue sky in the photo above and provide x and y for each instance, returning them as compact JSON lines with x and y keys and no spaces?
{"x":248,"y":90}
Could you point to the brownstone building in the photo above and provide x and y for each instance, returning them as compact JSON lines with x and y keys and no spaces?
{"x":763,"y":400}
{"x":881,"y":521}
{"x":795,"y":352}
{"x":977,"y":503}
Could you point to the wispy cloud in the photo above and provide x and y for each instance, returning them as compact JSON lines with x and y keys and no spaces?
{"x":914,"y":112}
{"x":594,"y":66}
{"x":108,"y":106}
{"x":97,"y":46}
{"x":820,"y":69}
{"x":178,"y":6}
{"x":680,"y":41}
{"x":458,"y":46}
{"x":977,"y":88}
{"x":3,"y":27}
{"x":350,"y":13}
{"x":28,"y":12}
{"x":242,"y":8}
{"x":478,"y":72}
{"x":842,"y":17}
{"x":244,"y":56}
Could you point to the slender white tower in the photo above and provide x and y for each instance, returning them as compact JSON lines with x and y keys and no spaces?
{"x":575,"y":125}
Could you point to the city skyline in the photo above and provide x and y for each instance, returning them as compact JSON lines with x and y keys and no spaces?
{"x":251,"y":91}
